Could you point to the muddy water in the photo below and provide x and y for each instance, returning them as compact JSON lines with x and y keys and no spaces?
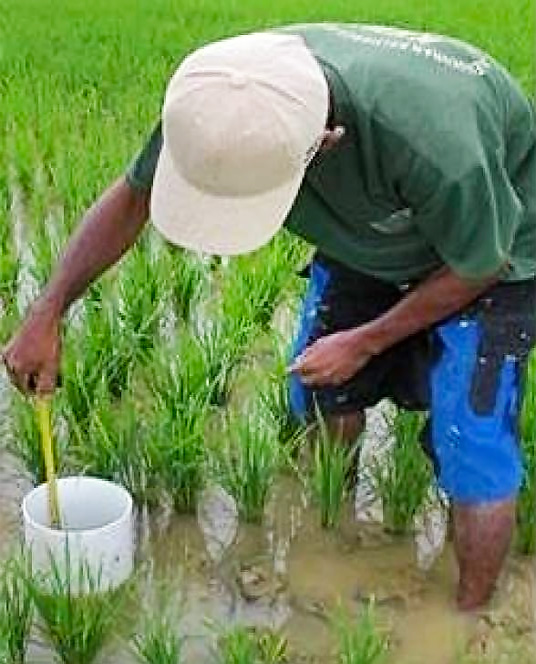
{"x":291,"y":575}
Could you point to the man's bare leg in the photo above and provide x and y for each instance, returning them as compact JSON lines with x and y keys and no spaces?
{"x":482,"y":536}
{"x":346,"y":428}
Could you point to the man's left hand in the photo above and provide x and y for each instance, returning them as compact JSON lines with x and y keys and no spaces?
{"x":333,"y":359}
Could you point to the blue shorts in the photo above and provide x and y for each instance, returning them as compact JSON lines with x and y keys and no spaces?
{"x":467,"y":371}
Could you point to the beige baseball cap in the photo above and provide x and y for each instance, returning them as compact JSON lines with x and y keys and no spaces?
{"x":241,"y":120}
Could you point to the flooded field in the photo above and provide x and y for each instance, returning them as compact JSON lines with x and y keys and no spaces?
{"x":165,"y":345}
{"x":290,"y":576}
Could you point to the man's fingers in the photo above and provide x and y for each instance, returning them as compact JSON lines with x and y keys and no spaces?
{"x":46,"y":382}
{"x":18,"y":377}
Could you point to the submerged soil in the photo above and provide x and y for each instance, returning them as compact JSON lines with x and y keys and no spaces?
{"x":290,"y":575}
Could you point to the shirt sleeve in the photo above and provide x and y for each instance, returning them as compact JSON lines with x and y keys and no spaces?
{"x":140,"y":173}
{"x":470,"y":217}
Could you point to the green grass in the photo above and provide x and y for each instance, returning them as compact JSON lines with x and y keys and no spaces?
{"x":9,"y":265}
{"x":77,"y":626}
{"x":176,"y":419}
{"x":246,"y":462}
{"x":16,"y":610}
{"x":273,"y":394}
{"x":79,"y":95}
{"x":403,"y":478}
{"x":360,"y":641}
{"x":243,"y":645}
{"x":24,"y":441}
{"x":159,"y":642}
{"x":526,"y":515}
{"x":331,"y":465}
{"x":113,"y":444}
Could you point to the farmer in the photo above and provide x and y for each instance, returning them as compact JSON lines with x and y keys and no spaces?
{"x":409,"y":161}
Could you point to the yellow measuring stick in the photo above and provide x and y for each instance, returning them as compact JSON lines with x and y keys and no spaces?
{"x":42,"y":406}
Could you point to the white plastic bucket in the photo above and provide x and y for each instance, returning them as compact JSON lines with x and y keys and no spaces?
{"x":97,"y":532}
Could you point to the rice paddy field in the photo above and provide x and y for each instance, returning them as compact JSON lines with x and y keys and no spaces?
{"x":248,"y":546}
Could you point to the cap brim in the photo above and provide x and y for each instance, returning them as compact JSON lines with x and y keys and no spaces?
{"x":218,"y":225}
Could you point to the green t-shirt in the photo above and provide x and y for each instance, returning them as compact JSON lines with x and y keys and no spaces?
{"x":437,"y":165}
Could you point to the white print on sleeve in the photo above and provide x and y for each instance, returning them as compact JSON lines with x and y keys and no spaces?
{"x":418,"y":44}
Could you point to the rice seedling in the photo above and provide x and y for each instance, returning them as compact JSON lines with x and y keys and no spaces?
{"x":245,"y":645}
{"x":274,"y":397}
{"x":159,"y":643}
{"x":238,"y":646}
{"x":331,"y":464}
{"x":254,"y":284}
{"x":179,"y":373}
{"x":181,"y":393}
{"x":106,"y":358}
{"x":114,"y":444}
{"x":16,"y":610}
{"x":359,"y":640}
{"x":24,"y":439}
{"x":273,"y":647}
{"x":247,"y":461}
{"x":180,"y":456}
{"x":143,"y":288}
{"x":9,"y":264}
{"x":111,"y":350}
{"x":402,"y":480}
{"x":188,"y":279}
{"x":76,"y":626}
{"x":526,"y":517}
{"x":223,"y":341}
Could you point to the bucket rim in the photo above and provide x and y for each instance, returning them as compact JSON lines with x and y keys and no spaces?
{"x":57,"y":532}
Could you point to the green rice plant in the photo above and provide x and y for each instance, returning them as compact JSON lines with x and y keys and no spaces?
{"x":114,"y":444}
{"x":223,"y":340}
{"x":402,"y":480}
{"x":24,"y":439}
{"x":245,"y":645}
{"x":180,"y":372}
{"x":273,"y":647}
{"x":188,"y":279}
{"x":359,"y":639}
{"x":274,"y":396}
{"x":76,"y":625}
{"x":181,"y":393}
{"x":238,"y":646}
{"x":9,"y":263}
{"x":254,"y":284}
{"x":179,"y":454}
{"x":247,"y":461}
{"x":143,"y":288}
{"x":159,"y":643}
{"x":98,"y":356}
{"x":104,"y":352}
{"x":331,"y":464}
{"x":16,"y":610}
{"x":526,"y":516}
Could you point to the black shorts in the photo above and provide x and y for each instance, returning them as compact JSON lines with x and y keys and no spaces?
{"x":467,"y":370}
{"x":339,"y":298}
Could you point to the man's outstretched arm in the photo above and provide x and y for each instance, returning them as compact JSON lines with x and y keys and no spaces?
{"x":108,"y":229}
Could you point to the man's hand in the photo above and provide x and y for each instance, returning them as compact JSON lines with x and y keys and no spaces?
{"x":108,"y":229}
{"x":334,"y":359}
{"x":32,"y":356}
